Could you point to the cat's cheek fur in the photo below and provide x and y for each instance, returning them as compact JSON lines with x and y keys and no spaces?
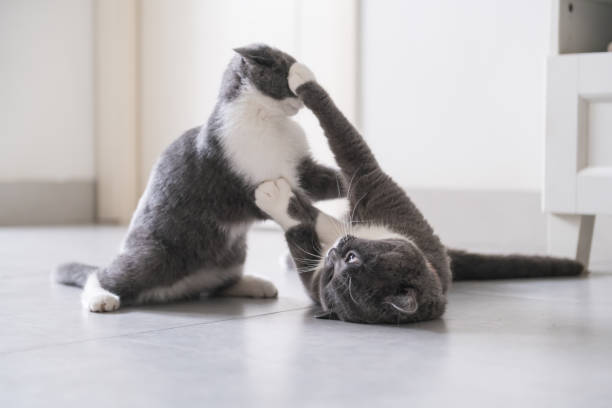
{"x":329,"y":231}
{"x":299,"y":74}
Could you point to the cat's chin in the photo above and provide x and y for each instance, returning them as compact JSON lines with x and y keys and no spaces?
{"x":292,"y":106}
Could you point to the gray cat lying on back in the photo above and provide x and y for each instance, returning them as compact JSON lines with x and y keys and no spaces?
{"x":384,"y":264}
{"x":187,"y":235}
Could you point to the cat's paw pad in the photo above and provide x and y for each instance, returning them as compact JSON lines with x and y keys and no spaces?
{"x":272,"y":196}
{"x":266,"y":196}
{"x":101,"y":302}
{"x":299,"y":74}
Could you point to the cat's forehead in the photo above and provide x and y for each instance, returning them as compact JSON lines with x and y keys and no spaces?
{"x":264,"y":51}
{"x":264,"y":67}
{"x":390,"y":255}
{"x":277,"y":55}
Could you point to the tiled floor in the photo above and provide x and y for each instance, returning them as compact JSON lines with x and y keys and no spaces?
{"x":512,"y":343}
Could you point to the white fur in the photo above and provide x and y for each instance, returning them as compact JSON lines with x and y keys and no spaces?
{"x":262,"y":142}
{"x":331,"y":230}
{"x":328,"y":229}
{"x":374,"y":231}
{"x":96,"y":299}
{"x":252,"y":286}
{"x":273,"y":198}
{"x":370,"y":232}
{"x":192,"y":284}
{"x":299,"y":74}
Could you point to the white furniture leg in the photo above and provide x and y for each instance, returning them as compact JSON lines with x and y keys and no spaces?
{"x":570,"y":236}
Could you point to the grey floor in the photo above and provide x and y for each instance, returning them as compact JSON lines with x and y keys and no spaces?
{"x":512,"y":343}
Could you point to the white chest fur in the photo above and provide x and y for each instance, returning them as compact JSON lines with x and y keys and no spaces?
{"x":262,"y":144}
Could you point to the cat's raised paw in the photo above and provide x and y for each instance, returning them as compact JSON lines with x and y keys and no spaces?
{"x":299,"y":74}
{"x":273,"y":196}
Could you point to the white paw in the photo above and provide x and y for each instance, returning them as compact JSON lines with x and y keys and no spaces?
{"x":273,"y":196}
{"x":262,"y":289}
{"x":101,"y":302}
{"x":252,"y":286}
{"x":97,"y":299}
{"x":299,"y":74}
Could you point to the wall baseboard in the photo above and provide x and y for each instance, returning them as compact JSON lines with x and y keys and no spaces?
{"x":47,"y":203}
{"x":490,"y":220}
{"x":501,"y":221}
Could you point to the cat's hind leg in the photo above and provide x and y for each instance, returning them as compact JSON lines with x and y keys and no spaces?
{"x":145,"y":274}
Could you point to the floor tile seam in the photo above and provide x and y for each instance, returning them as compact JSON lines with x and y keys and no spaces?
{"x":206,"y":323}
{"x":505,"y":295}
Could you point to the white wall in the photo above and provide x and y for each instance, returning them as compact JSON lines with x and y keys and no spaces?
{"x":454,"y":92}
{"x":186,"y":45}
{"x":46,"y":90}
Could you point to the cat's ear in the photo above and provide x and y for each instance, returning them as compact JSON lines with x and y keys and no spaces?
{"x":255,"y":55}
{"x":405,"y":302}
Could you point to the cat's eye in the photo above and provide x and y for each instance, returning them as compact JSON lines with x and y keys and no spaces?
{"x":351,"y":257}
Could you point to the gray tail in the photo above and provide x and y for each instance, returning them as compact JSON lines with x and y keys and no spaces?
{"x":74,"y":273}
{"x":469,"y":266}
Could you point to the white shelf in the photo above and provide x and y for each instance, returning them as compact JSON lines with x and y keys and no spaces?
{"x":581,"y":26}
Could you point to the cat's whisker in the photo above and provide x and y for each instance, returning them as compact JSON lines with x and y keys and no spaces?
{"x":308,"y":253}
{"x":338,"y":186}
{"x":305,"y":260}
{"x":357,"y":204}
{"x":307,"y":270}
{"x":348,"y":191}
{"x":349,"y":291}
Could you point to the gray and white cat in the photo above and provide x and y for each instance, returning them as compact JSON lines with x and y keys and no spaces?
{"x":384,"y":264}
{"x":188,"y":234}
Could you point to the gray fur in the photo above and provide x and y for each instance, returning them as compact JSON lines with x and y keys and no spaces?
{"x":301,"y":209}
{"x":194,"y":195}
{"x":321,"y":184}
{"x":73,"y":273}
{"x":388,"y":280}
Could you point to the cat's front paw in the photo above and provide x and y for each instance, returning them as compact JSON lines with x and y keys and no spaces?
{"x":101,"y":302}
{"x":273,"y":196}
{"x":299,"y":74}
